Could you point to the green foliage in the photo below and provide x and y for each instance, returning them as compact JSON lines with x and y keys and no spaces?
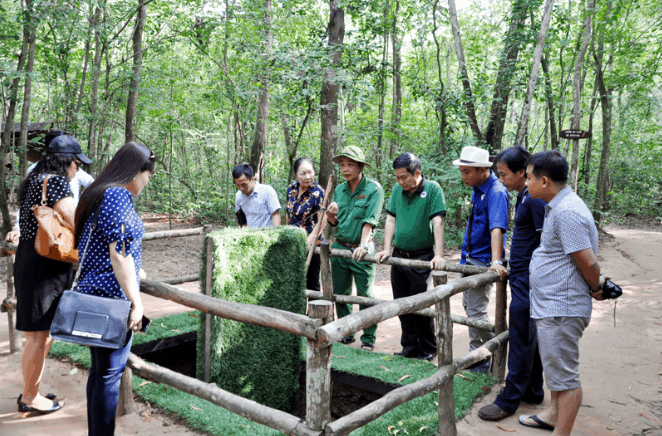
{"x":264,"y":267}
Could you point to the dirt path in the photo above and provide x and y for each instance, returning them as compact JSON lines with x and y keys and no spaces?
{"x":621,"y":367}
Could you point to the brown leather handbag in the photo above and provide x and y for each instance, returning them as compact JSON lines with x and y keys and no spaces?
{"x":55,"y":237}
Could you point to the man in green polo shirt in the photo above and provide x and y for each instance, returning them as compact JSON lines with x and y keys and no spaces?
{"x":415,"y":222}
{"x":357,"y":204}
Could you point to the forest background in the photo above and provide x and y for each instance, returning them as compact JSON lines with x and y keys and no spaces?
{"x":208,"y":84}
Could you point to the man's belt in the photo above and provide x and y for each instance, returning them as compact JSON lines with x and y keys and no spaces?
{"x":350,"y":245}
{"x":417,"y":253}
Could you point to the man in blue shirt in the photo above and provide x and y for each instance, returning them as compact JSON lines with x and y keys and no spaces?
{"x":524,"y":381}
{"x":255,"y":204}
{"x":565,"y":274}
{"x":484,"y":239}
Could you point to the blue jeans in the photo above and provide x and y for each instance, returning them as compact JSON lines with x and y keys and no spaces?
{"x":103,"y":387}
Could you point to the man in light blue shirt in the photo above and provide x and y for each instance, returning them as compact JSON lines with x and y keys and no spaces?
{"x":565,"y":274}
{"x":256,"y":205}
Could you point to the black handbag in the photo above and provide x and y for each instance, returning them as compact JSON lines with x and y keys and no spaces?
{"x":88,"y":319}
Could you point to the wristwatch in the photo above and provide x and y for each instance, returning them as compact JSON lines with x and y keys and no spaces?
{"x":498,"y":262}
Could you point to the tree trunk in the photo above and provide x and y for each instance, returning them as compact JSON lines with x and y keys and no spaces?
{"x":88,"y":43}
{"x":503,"y":86}
{"x":30,"y":32}
{"x":329,"y":96}
{"x":94,"y":95}
{"x":397,"y":84}
{"x":262,"y":118}
{"x":464,"y":76}
{"x":533,"y":79}
{"x":605,"y":103}
{"x":589,"y":141}
{"x":382,"y":94}
{"x":577,"y":85}
{"x":440,"y":104}
{"x":132,"y":104}
{"x":550,"y":106}
{"x":8,"y":137}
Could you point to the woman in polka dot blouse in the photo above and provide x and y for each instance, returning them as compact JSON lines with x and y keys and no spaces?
{"x":40,"y":281}
{"x":110,"y":267}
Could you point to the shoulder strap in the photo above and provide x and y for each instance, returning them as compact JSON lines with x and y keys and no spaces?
{"x":43,"y":190}
{"x":93,"y":226}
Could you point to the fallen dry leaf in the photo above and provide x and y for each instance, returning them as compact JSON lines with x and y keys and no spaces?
{"x":459,"y":374}
{"x":506,"y":429}
{"x":338,"y":357}
{"x":485,"y":388}
{"x":193,"y":315}
{"x":245,"y":426}
{"x":175,"y":330}
{"x":163,"y":325}
{"x":144,"y":383}
{"x":384,"y":368}
{"x":389,"y":428}
{"x":195,"y":408}
{"x":403,"y":377}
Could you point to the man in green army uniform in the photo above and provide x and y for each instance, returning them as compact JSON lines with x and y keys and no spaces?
{"x":357,"y":204}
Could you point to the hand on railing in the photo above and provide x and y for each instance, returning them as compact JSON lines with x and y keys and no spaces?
{"x":437,"y":263}
{"x":382,"y":256}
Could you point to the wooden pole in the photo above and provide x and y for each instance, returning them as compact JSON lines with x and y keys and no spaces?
{"x":256,"y":412}
{"x":444,"y":330}
{"x":15,"y":342}
{"x":318,"y":372}
{"x":179,"y":233}
{"x":209,"y":270}
{"x":410,"y":263}
{"x":320,"y":221}
{"x":399,"y":396}
{"x":356,"y":321}
{"x":500,"y":326}
{"x":180,"y":280}
{"x":299,"y":325}
{"x":429,"y":312}
{"x":125,"y":404}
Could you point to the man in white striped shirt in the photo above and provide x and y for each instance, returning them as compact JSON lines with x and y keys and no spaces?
{"x":256,"y":205}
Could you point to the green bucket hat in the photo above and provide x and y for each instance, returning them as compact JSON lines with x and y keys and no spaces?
{"x":352,"y":152}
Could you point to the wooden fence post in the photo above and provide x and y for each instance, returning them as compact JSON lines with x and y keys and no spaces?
{"x":15,"y":342}
{"x":444,"y":328}
{"x":126,"y":405}
{"x":325,"y":260}
{"x":500,"y":354}
{"x":209,"y":269}
{"x":318,"y":372}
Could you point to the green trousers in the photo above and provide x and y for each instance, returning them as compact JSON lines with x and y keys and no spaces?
{"x":363,"y":273}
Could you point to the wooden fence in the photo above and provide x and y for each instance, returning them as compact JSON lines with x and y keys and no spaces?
{"x":321,"y":333}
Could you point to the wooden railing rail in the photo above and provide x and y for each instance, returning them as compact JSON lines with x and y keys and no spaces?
{"x":256,"y":412}
{"x":299,"y":325}
{"x":429,"y":312}
{"x":399,"y":396}
{"x":357,"y":321}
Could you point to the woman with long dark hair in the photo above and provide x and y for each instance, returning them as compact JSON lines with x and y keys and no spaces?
{"x":304,"y":200}
{"x":41,"y":281}
{"x":110,"y":267}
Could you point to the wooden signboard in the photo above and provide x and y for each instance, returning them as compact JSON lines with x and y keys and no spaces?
{"x":575,"y":134}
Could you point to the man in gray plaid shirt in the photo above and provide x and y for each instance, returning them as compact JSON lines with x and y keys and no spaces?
{"x":565,"y":274}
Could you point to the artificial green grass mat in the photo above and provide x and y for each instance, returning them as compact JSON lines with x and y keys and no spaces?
{"x":263,"y":267}
{"x":417,"y":417}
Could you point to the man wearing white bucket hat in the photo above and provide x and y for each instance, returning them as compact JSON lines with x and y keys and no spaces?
{"x":484,"y":241}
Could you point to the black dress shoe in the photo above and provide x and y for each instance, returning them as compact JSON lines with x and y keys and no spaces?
{"x":49,"y":396}
{"x":427,"y":356}
{"x":22,"y":407}
{"x":347,"y":340}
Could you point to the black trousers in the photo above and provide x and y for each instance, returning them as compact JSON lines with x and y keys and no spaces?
{"x":417,"y":331}
{"x":313,"y":277}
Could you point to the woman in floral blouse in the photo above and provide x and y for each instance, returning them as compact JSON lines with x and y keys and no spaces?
{"x":304,"y":200}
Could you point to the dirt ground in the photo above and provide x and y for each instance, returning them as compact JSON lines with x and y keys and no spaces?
{"x":621,"y":366}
